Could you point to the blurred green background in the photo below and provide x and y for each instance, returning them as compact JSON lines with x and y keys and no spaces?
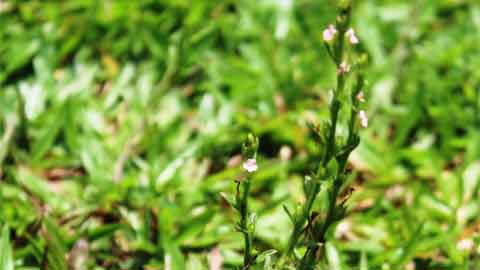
{"x":121,"y":124}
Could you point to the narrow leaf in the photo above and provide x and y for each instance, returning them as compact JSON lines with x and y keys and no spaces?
{"x":55,"y":259}
{"x":6,"y":257}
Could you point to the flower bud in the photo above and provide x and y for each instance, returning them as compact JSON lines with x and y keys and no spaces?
{"x":352,"y":38}
{"x":360,"y":97}
{"x":329,"y":33}
{"x":250,"y":147}
{"x":343,"y":68}
{"x":363,"y":119}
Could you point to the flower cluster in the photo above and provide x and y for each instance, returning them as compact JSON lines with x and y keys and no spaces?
{"x":330,"y":33}
{"x":343,"y":68}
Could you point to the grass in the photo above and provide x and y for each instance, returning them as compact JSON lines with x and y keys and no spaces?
{"x":135,"y":113}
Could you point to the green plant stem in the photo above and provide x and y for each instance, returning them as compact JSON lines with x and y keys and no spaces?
{"x":329,"y":153}
{"x":246,"y":234}
{"x":299,"y":224}
{"x":244,"y":224}
{"x":310,"y":255}
{"x":342,"y":159}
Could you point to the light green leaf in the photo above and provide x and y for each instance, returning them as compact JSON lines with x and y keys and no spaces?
{"x":56,"y":250}
{"x":6,"y":256}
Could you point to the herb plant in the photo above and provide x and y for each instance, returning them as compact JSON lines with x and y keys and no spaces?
{"x":310,"y":226}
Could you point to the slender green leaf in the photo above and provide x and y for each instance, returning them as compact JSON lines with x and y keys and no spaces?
{"x":6,"y":256}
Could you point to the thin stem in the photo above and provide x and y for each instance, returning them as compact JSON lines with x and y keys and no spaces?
{"x":342,"y":159}
{"x":307,"y":207}
{"x":310,"y":255}
{"x":299,"y":224}
{"x":244,"y":224}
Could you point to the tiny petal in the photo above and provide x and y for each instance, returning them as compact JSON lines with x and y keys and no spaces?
{"x":329,"y":33}
{"x":250,"y":165}
{"x":465,"y":244}
{"x":215,"y":259}
{"x":361,"y":96}
{"x":351,"y":36}
{"x":363,"y":119}
{"x":343,"y":68}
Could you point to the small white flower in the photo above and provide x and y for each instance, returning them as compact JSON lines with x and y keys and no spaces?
{"x":343,"y":68}
{"x":363,"y":119}
{"x":466,"y":244}
{"x":329,"y":33}
{"x":351,"y":36}
{"x":250,"y":165}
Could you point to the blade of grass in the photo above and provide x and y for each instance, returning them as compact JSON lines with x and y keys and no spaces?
{"x":6,"y":256}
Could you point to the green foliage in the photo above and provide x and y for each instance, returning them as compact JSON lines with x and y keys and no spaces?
{"x":54,"y":252}
{"x":121,"y":122}
{"x":6,"y":257}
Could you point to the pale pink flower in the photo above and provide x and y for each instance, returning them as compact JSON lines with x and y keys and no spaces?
{"x":215,"y":259}
{"x":361,"y":96}
{"x":250,"y":165}
{"x":363,"y":119}
{"x":329,"y":33}
{"x":351,"y":36}
{"x":343,"y":68}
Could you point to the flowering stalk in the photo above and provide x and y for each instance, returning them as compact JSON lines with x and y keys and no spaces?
{"x":246,"y":225}
{"x":331,"y":170}
{"x":330,"y":174}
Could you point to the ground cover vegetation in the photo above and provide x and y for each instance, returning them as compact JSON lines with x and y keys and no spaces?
{"x":124,"y":134}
